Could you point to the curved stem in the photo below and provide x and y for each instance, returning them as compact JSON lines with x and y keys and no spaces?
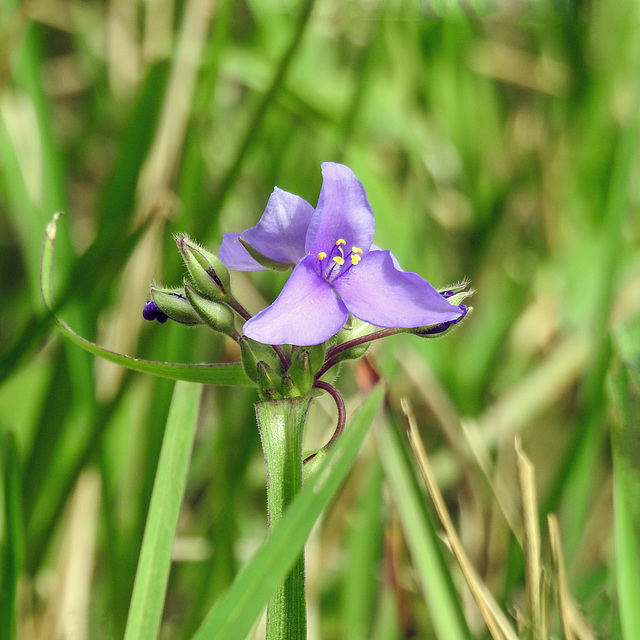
{"x":342,"y":412}
{"x":283,"y":358}
{"x":332,"y":354}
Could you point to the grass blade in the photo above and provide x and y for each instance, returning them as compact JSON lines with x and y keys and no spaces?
{"x":626,"y":496}
{"x":425,"y":547}
{"x":12,"y":557}
{"x":152,"y":575}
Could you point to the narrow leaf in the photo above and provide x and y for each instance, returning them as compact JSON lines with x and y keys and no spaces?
{"x":152,"y":575}
{"x":12,"y":557}
{"x":422,"y":537}
{"x":217,"y":374}
{"x":626,"y":497}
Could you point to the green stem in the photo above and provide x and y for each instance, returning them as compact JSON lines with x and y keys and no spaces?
{"x":281,"y":424}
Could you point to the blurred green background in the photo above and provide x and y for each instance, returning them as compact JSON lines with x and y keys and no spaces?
{"x":497,"y":143}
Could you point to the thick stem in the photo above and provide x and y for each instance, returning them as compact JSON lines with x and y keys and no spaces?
{"x":281,"y":424}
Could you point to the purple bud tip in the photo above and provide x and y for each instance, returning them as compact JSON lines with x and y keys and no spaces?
{"x":441,"y":328}
{"x":152,"y":312}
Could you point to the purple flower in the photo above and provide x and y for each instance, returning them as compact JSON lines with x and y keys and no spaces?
{"x":331,"y":248}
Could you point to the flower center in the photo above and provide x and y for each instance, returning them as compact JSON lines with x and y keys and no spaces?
{"x":336,"y":263}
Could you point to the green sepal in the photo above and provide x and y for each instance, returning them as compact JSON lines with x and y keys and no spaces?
{"x":208,"y":273}
{"x":263,"y":260}
{"x":173,"y":302}
{"x":216,"y":315}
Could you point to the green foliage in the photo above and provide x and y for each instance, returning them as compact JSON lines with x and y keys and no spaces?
{"x":497,"y":146}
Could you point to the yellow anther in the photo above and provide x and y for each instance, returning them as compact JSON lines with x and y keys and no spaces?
{"x":338,"y":260}
{"x":356,"y":250}
{"x":340,"y":241}
{"x":322,"y":255}
{"x":355,"y":259}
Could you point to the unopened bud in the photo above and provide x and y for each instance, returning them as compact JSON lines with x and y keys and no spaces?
{"x":170,"y":303}
{"x":268,"y":379}
{"x":216,"y":315}
{"x":437,"y":330}
{"x":289,"y":387}
{"x":208,"y":273}
{"x":305,"y":363}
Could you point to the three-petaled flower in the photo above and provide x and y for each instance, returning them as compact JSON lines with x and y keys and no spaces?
{"x":331,"y":251}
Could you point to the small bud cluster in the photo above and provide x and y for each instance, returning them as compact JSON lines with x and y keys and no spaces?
{"x":280,"y":373}
{"x":205,"y":297}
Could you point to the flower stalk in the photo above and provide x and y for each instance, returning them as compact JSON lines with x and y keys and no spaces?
{"x":281,"y":423}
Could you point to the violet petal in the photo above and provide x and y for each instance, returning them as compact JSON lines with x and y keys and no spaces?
{"x":280,"y":234}
{"x":306,"y":312}
{"x":378,"y":293}
{"x":343,"y":211}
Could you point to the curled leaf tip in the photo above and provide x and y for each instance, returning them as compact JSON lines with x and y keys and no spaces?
{"x":51,"y":226}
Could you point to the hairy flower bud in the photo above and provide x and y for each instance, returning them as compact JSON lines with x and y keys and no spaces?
{"x":269,"y":381}
{"x":305,"y":363}
{"x":208,"y":273}
{"x":438,"y":330}
{"x":170,"y":303}
{"x":261,"y":259}
{"x":216,"y":315}
{"x":300,"y":371}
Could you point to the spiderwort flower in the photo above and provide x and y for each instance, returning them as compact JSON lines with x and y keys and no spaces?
{"x":337,"y":268}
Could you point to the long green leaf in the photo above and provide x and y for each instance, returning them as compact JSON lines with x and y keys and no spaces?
{"x":233,"y":615}
{"x":626,"y":498}
{"x":426,"y":549}
{"x":12,"y":556}
{"x":217,"y":374}
{"x":152,"y":575}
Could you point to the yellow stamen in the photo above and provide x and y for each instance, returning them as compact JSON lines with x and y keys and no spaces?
{"x":338,"y":260}
{"x":355,"y":259}
{"x":322,"y":255}
{"x":356,"y":250}
{"x":340,"y":241}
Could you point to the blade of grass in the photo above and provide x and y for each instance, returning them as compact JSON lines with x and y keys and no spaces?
{"x":12,"y":557}
{"x":251,"y":134}
{"x":493,"y":616}
{"x":365,"y":545}
{"x":530,"y":540}
{"x":233,"y":615}
{"x":626,"y":492}
{"x":220,"y":374}
{"x":562,"y":587}
{"x":426,"y":549}
{"x":152,"y":575}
